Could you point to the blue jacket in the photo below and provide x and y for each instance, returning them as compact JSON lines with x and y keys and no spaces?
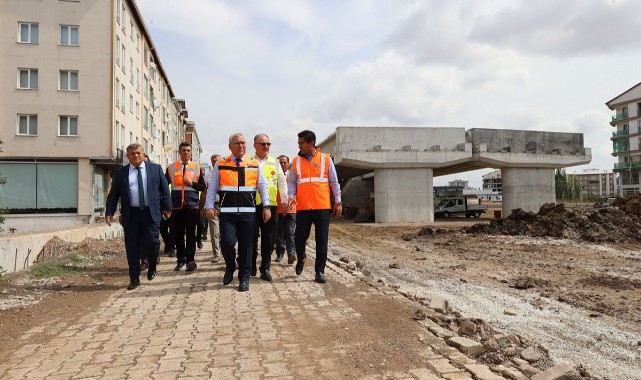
{"x":158,"y":195}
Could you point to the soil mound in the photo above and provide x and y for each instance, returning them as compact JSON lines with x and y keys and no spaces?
{"x":620,"y":223}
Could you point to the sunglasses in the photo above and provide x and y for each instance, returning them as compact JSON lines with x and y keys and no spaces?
{"x":265,"y":144}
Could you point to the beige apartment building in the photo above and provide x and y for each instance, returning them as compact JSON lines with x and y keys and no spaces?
{"x":80,"y":81}
{"x":596,"y":183}
{"x":626,"y":138}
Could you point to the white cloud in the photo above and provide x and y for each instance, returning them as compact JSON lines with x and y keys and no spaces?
{"x":283,"y":66}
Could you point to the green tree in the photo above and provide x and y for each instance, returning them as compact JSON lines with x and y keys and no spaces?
{"x":561,"y":185}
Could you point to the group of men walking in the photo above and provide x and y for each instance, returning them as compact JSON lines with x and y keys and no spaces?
{"x":246,"y":197}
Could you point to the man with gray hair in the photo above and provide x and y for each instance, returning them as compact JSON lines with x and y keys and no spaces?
{"x":236,"y":179}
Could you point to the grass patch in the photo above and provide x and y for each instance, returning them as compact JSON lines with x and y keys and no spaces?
{"x":61,"y":267}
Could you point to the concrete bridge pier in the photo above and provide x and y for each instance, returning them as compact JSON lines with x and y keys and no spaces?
{"x":404,"y":195}
{"x":527,"y":188}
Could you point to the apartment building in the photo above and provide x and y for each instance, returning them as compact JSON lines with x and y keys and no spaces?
{"x":80,"y":80}
{"x":492,"y":181}
{"x":597,"y":183}
{"x":626,"y":138}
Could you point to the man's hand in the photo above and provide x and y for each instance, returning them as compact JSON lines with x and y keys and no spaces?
{"x":338,"y":210}
{"x":210,"y":213}
{"x":108,"y":219}
{"x":267,"y":214}
{"x":187,"y":182}
{"x":284,"y":206}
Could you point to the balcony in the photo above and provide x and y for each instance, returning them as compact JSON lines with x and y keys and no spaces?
{"x":621,"y":116}
{"x":627,"y":165}
{"x":620,"y":133}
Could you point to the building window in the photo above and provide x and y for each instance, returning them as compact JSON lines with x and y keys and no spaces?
{"x":122,"y":58}
{"x":146,"y":86}
{"x":117,"y":93}
{"x":146,"y":56}
{"x":69,"y":35}
{"x":131,"y":103}
{"x":68,"y":80}
{"x":145,"y":117}
{"x":117,"y":133}
{"x":117,"y":52}
{"x":138,"y":80}
{"x":131,"y":70}
{"x":28,"y":79}
{"x":122,"y":97}
{"x":122,"y":136}
{"x":145,"y":145}
{"x":28,"y":125}
{"x":42,"y":187}
{"x":131,"y":138}
{"x":137,"y":110}
{"x":28,"y":32}
{"x":68,"y":126}
{"x":118,"y":11}
{"x":131,"y":30}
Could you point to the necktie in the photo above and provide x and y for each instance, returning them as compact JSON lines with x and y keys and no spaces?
{"x":141,"y":190}
{"x":238,"y":162}
{"x":184,"y":167}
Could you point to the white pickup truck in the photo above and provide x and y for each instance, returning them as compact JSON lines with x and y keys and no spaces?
{"x":458,"y":205}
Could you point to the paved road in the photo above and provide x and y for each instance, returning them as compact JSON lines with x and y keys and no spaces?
{"x":189,"y":326}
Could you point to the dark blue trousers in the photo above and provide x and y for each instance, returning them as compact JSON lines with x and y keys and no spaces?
{"x":267,"y":232}
{"x":141,"y":231}
{"x":304,"y":221}
{"x":235,"y":227}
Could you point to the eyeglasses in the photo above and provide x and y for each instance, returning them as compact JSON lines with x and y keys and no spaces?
{"x":264,"y":144}
{"x":239,"y":143}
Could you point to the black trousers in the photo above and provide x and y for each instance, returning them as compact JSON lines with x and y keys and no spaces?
{"x":235,"y":227}
{"x":141,"y":231}
{"x":304,"y":221}
{"x":167,"y":233}
{"x":185,"y":220}
{"x":267,"y":233}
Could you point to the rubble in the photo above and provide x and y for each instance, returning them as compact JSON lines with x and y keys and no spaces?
{"x":620,"y":223}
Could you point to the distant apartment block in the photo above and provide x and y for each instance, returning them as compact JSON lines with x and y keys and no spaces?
{"x":492,"y":181}
{"x":626,"y":138}
{"x":81,"y":80}
{"x":597,"y":183}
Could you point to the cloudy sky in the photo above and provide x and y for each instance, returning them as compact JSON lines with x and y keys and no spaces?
{"x":282,"y":66}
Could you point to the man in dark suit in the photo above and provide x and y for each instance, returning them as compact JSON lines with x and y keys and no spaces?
{"x":143,"y":192}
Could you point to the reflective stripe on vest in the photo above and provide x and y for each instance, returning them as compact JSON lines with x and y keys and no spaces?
{"x":183,"y":195}
{"x":312,"y":182}
{"x":237,"y":191}
{"x":270,"y":172}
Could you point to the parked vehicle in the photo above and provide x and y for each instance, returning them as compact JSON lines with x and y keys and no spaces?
{"x":457,"y":206}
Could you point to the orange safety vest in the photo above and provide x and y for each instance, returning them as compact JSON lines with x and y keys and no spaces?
{"x":184,"y":195}
{"x":284,"y":210}
{"x":237,"y":190}
{"x":312,"y":181}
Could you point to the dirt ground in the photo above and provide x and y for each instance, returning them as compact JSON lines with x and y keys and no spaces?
{"x":566,"y":281}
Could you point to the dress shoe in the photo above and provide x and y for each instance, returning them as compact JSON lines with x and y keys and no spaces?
{"x":265,"y":275}
{"x":171,"y":252}
{"x":253,"y":272}
{"x":134,"y":283}
{"x":180,"y":266}
{"x":291,"y":259}
{"x":205,"y":237}
{"x":191,"y":266}
{"x":199,"y":245}
{"x":300,"y":265}
{"x":320,"y":278}
{"x":215,"y":259}
{"x":144,"y":265}
{"x":151,"y":273}
{"x":229,"y":275}
{"x":244,"y":286}
{"x":279,"y":257}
